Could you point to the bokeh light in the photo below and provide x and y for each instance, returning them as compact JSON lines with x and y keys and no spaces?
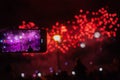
{"x":82,"y":45}
{"x":73,"y":73}
{"x":97,"y":35}
{"x":22,"y":75}
{"x":39,"y":74}
{"x":100,"y":69}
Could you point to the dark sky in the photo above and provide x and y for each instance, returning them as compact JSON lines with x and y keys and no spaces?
{"x":47,"y":12}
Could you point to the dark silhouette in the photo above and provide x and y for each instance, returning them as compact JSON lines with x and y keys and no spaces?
{"x":63,"y":75}
{"x":7,"y":74}
{"x":38,"y":78}
{"x":0,"y":50}
{"x":30,"y":49}
{"x":80,"y":70}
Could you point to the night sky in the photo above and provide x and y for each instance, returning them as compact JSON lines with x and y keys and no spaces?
{"x":46,"y":12}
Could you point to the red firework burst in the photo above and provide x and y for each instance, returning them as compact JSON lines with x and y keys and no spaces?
{"x":88,"y":25}
{"x":91,"y":25}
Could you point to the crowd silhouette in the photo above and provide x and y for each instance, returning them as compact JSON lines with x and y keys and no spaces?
{"x":79,"y":69}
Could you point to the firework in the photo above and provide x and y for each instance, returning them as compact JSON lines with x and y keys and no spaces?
{"x":99,"y":26}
